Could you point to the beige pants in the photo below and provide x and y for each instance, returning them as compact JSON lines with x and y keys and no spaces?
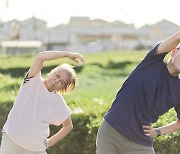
{"x":9,"y":147}
{"x":109,"y":141}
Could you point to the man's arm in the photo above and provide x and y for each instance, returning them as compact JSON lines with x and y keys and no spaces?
{"x":64,"y":131}
{"x":51,"y":55}
{"x":169,"y":44}
{"x":170,"y":128}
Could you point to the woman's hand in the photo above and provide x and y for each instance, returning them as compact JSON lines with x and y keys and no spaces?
{"x":47,"y":143}
{"x":76,"y":57}
{"x":150,"y":131}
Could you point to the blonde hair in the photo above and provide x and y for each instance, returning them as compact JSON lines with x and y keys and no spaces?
{"x":72,"y":78}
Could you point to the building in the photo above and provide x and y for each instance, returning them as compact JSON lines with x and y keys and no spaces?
{"x":20,"y":47}
{"x":85,"y":35}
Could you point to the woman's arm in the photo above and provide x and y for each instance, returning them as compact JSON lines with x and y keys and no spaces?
{"x":169,"y":44}
{"x":170,"y":128}
{"x":51,"y":55}
{"x":65,"y":130}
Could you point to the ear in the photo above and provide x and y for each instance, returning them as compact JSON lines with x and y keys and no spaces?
{"x":172,"y":52}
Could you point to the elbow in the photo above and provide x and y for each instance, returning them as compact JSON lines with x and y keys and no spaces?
{"x":71,"y":127}
{"x":68,"y":125}
{"x":40,"y":56}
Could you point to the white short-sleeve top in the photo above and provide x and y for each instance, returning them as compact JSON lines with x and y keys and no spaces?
{"x":33,"y":110}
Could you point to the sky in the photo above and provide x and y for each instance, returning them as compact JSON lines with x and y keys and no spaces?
{"x":137,"y":12}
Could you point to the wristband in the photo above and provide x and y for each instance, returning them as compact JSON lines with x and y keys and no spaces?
{"x":158,"y":132}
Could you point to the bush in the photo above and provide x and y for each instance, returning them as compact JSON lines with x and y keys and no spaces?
{"x":169,"y":144}
{"x":99,"y":80}
{"x":81,"y":140}
{"x":83,"y":137}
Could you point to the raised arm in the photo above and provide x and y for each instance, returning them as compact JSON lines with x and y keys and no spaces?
{"x":169,"y":44}
{"x":51,"y":55}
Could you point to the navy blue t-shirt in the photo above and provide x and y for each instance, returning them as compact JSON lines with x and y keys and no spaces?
{"x":148,"y":92}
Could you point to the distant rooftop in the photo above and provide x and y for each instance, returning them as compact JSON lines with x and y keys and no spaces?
{"x":21,"y":44}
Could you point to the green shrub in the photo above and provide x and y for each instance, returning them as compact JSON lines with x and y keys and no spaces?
{"x":82,"y":139}
{"x":99,"y":80}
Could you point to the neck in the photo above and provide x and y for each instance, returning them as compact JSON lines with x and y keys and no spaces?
{"x":46,"y":84}
{"x":172,"y":70}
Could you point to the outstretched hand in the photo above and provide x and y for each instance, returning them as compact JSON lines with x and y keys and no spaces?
{"x":76,"y":57}
{"x":150,"y":131}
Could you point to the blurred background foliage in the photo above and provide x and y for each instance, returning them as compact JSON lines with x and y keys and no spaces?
{"x":98,"y":81}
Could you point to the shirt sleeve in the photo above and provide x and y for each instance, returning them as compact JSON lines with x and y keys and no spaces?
{"x":62,"y":113}
{"x":177,"y":109}
{"x":28,"y":79}
{"x":153,"y":56}
{"x":151,"y":59}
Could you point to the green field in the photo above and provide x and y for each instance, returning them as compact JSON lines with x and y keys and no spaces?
{"x":98,"y":81}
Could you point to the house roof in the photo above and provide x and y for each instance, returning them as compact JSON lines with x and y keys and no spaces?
{"x":21,"y":44}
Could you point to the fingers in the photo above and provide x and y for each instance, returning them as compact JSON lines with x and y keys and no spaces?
{"x":75,"y":60}
{"x":45,"y":143}
{"x":147,"y":127}
{"x":76,"y":57}
{"x":147,"y":134}
{"x":81,"y":58}
{"x":149,"y":131}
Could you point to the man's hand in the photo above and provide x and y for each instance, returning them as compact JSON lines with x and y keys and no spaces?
{"x":150,"y":131}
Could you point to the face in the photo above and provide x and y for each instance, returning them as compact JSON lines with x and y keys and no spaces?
{"x":57,"y":79}
{"x":176,"y":59}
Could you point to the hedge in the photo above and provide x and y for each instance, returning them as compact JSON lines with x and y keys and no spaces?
{"x":83,"y":137}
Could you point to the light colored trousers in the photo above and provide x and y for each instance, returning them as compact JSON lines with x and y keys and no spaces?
{"x":109,"y":141}
{"x":9,"y":147}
